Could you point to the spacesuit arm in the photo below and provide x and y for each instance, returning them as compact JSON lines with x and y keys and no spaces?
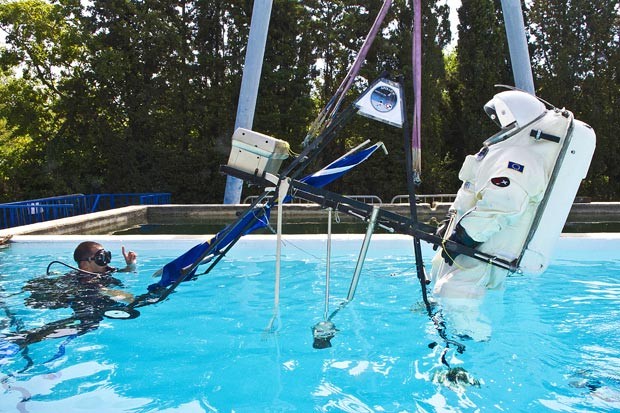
{"x":497,"y":207}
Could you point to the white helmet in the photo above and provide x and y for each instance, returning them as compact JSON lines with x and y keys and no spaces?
{"x":513,"y":106}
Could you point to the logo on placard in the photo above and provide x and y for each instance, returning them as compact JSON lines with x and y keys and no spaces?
{"x":383,"y":99}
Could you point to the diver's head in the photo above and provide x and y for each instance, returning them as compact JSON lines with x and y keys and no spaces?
{"x":514,"y":108}
{"x":92,"y":257}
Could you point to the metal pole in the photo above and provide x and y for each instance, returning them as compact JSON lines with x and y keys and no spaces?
{"x":328,"y":267}
{"x":360,"y":260}
{"x":248,"y":94}
{"x":282,"y":191}
{"x":517,"y":44}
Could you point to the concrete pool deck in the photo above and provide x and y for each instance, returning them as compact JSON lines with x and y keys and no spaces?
{"x":108,"y":222}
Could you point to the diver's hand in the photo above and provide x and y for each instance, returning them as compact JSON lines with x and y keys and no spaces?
{"x":130,"y":259}
{"x":130,"y":256}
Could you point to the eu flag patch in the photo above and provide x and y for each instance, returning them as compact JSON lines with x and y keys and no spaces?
{"x":515,"y":166}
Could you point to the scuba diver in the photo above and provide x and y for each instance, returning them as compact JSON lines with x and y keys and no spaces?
{"x":88,"y":291}
{"x":494,"y":210}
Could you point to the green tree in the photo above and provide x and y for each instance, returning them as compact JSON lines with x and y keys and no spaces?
{"x":285,"y":107}
{"x":156,"y":102}
{"x":337,"y":31}
{"x":437,"y":162}
{"x":482,"y":60}
{"x":42,"y":49}
{"x":393,"y":53}
{"x":337,"y":45}
{"x":131,"y":95}
{"x":576,"y":54}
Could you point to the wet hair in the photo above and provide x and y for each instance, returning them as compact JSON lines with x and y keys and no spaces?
{"x":85,"y":250}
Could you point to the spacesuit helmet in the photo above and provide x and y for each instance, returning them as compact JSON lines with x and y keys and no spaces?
{"x":514,"y":108}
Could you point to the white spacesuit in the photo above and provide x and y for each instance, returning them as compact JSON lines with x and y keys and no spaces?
{"x":503,"y":186}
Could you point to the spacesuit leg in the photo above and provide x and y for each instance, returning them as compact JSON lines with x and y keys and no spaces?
{"x":464,"y":318}
{"x":460,"y":290}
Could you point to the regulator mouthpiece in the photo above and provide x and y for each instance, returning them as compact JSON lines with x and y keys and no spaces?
{"x":323,"y":332}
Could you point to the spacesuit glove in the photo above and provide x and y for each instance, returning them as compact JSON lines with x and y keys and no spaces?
{"x":460,"y":236}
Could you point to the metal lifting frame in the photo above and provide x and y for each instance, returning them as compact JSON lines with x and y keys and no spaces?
{"x":385,"y":219}
{"x":388,"y":220}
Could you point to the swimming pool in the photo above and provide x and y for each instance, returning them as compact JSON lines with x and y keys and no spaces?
{"x":555,"y":344}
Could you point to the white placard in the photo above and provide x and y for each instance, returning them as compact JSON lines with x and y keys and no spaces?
{"x":382,"y":101}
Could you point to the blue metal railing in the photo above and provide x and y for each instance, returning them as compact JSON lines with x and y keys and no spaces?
{"x":14,"y":214}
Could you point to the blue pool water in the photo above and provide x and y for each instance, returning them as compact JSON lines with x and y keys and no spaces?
{"x":555,"y":344}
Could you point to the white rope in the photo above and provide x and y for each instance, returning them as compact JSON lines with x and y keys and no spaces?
{"x":282,"y":192}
